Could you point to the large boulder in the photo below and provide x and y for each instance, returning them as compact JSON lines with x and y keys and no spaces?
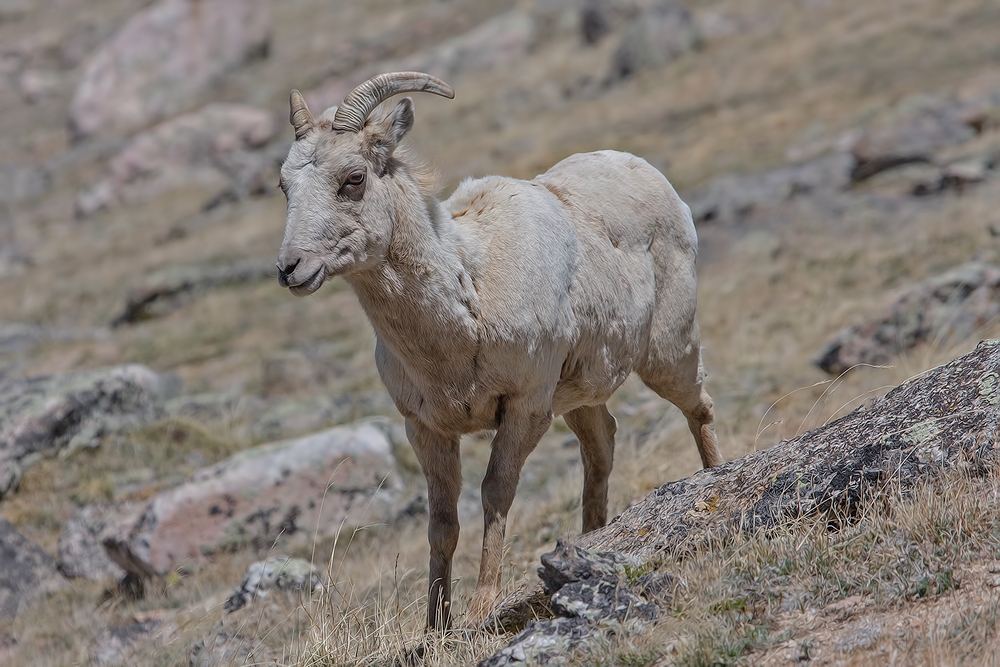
{"x":211,"y":147}
{"x":945,"y":419}
{"x":303,"y":488}
{"x":40,"y":416}
{"x":165,"y":59}
{"x":26,"y":572}
{"x":946,"y":308}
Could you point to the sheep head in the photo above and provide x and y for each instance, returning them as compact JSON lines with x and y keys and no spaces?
{"x":340,"y":201}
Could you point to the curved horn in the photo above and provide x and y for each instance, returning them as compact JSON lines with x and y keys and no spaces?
{"x":299,"y":115}
{"x":352,"y":114}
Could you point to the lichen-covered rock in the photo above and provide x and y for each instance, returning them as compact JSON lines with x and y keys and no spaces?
{"x":164,"y":60}
{"x":289,"y":490}
{"x":40,"y":416}
{"x":946,"y":308}
{"x":276,"y":573}
{"x":212,"y":147}
{"x":590,"y":592}
{"x":26,"y":572}
{"x":946,"y":418}
{"x":81,"y":549}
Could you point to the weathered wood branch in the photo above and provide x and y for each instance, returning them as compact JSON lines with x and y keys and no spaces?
{"x":946,"y":418}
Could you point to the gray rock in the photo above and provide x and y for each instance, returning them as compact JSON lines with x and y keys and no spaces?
{"x":591,"y":593}
{"x":118,"y":644}
{"x":41,"y":416}
{"x":19,"y":183}
{"x":170,"y":289}
{"x":224,"y":650}
{"x":657,"y":36}
{"x":81,"y":549}
{"x":595,"y":20}
{"x":17,"y":337}
{"x":276,"y":573}
{"x":945,"y":309}
{"x":910,"y":133}
{"x":946,"y":418}
{"x":732,"y":197}
{"x":26,"y":572}
{"x":955,"y":177}
{"x":213,"y":145}
{"x":165,"y":59}
{"x":270,"y":494}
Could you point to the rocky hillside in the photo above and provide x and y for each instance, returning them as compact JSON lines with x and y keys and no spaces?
{"x":197,"y":468}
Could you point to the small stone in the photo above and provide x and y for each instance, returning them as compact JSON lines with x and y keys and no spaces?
{"x":275,"y":573}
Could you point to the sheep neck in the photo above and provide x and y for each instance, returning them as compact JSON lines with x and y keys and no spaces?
{"x":421,"y":300}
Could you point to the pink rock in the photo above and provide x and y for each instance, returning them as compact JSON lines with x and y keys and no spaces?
{"x":197,"y":147}
{"x":286,"y":490}
{"x":163,"y":60}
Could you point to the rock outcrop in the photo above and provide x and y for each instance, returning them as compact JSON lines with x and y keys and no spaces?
{"x":730,"y":198}
{"x":946,"y":418}
{"x":944,"y":309}
{"x":40,"y":416}
{"x":911,"y":132}
{"x":297,"y":489}
{"x":164,"y":60}
{"x":26,"y":572}
{"x":213,"y":147}
{"x":171,"y":288}
{"x":591,"y":596}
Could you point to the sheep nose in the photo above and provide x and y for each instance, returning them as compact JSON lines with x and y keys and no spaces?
{"x":286,"y":270}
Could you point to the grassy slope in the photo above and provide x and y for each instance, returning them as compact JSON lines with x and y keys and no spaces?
{"x":768,"y":297}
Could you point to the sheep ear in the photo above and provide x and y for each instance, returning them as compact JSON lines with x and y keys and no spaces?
{"x":385,"y":134}
{"x":402,"y":119}
{"x":327,"y":115}
{"x":299,"y":116}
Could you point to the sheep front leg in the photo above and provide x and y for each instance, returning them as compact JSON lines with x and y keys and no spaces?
{"x":521,"y":427}
{"x":440,"y":458}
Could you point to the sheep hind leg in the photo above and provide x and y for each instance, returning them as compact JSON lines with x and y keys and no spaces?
{"x":440,"y":458}
{"x":683,"y":385}
{"x":595,"y":428}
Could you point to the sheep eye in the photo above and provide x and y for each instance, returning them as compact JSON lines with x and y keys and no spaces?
{"x":356,"y":178}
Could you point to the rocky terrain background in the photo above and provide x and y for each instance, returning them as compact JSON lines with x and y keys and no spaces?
{"x":197,"y":468}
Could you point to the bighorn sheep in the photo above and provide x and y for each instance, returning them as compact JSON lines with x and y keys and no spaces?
{"x":509,"y":303}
